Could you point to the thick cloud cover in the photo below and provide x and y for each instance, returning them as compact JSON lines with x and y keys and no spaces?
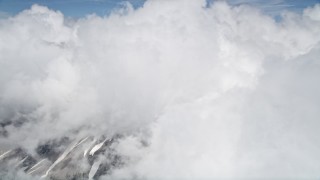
{"x":195,"y":91}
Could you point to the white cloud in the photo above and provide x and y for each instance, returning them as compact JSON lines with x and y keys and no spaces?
{"x":214,"y":92}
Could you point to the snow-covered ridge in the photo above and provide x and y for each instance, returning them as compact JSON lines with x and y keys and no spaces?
{"x":70,"y":163}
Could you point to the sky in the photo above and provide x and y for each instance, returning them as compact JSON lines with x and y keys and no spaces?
{"x":72,"y":8}
{"x":80,"y":8}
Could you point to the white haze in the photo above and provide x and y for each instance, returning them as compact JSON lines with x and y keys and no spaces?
{"x":212,"y":91}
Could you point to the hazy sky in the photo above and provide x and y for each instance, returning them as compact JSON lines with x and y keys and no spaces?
{"x":79,"y":8}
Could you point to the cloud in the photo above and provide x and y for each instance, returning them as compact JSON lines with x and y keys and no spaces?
{"x":191,"y":91}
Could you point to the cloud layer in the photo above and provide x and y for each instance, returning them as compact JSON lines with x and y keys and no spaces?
{"x":194,"y":91}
